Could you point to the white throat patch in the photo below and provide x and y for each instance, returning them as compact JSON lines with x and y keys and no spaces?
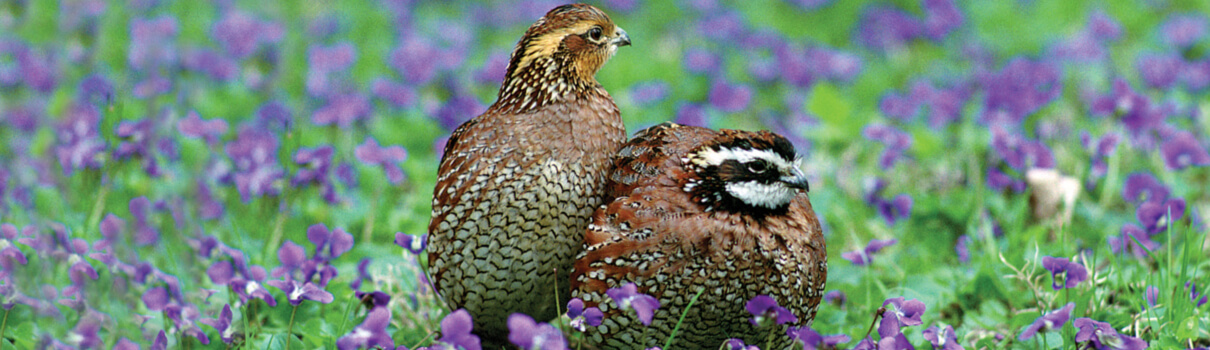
{"x":772,"y":195}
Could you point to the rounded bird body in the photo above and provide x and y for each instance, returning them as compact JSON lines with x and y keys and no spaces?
{"x":676,"y":228}
{"x":518,"y":184}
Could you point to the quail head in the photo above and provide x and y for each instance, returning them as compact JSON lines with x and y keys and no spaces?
{"x":518,"y":184}
{"x":693,"y":210}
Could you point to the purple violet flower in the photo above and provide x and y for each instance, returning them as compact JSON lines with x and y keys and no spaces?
{"x":1104,"y":27}
{"x":275,"y":115}
{"x":329,"y":244}
{"x":296,"y":292}
{"x":835,"y":297}
{"x":343,"y":111}
{"x":373,"y":300}
{"x":222,"y":324}
{"x":648,"y":93}
{"x":1051,"y":321}
{"x":896,"y":143}
{"x":327,"y":63}
{"x":1154,"y":215}
{"x":291,"y":256}
{"x":493,"y":69}
{"x":153,"y":42}
{"x":1153,"y":295}
{"x":416,"y":60}
{"x":248,"y":286}
{"x":1072,"y":272}
{"x":628,"y":297}
{"x":1020,"y":88}
{"x":812,"y":340}
{"x":194,"y":126}
{"x":240,"y":34}
{"x":459,"y":108}
{"x":1194,"y":294}
{"x":529,"y":335}
{"x":700,"y":60}
{"x":1103,"y":336}
{"x":313,"y":164}
{"x":1196,"y":75}
{"x":456,"y":331}
{"x":888,"y":28}
{"x":904,"y":312}
{"x":216,"y":66}
{"x":1184,"y":30}
{"x":80,"y":145}
{"x":388,"y":158}
{"x":156,"y":298}
{"x":1143,"y":187}
{"x":362,"y":274}
{"x":1126,"y":241}
{"x":144,"y":232}
{"x":372,"y":333}
{"x":581,"y":317}
{"x":738,"y":344}
{"x":730,"y":97}
{"x":941,"y":17}
{"x":1184,"y":150}
{"x":962,"y":248}
{"x":254,"y":153}
{"x":764,"y":309}
{"x":943,"y":338}
{"x":9,"y":254}
{"x":899,"y":314}
{"x":1160,"y":71}
{"x":692,"y":114}
{"x":864,"y":256}
{"x":414,"y":244}
{"x":399,"y":95}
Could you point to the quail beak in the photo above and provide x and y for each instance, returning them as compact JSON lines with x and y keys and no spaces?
{"x":620,"y":38}
{"x":797,"y":180}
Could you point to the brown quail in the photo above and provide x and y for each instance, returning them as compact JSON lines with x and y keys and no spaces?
{"x":696,"y":209}
{"x":518,"y":184}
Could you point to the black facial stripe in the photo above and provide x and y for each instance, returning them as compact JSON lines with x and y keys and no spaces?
{"x":732,"y":171}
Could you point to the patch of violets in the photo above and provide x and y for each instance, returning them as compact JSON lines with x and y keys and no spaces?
{"x":81,"y":111}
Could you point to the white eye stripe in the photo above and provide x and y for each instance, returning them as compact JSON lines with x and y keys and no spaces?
{"x":712,"y":157}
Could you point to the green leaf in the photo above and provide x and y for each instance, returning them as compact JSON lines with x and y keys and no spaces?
{"x":1187,"y":328}
{"x":316,"y":332}
{"x":24,"y":335}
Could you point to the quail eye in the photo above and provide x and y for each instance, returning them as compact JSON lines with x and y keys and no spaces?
{"x":758,"y":167}
{"x":595,"y":33}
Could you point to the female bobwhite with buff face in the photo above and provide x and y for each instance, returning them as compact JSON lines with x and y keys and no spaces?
{"x":518,"y":184}
{"x":694,"y":210}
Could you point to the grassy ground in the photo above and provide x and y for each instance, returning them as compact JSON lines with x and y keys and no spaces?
{"x":158,"y":157}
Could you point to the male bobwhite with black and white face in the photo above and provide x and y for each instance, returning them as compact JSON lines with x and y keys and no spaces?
{"x":518,"y":184}
{"x":696,"y":209}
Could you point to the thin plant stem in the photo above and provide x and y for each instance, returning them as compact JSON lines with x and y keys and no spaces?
{"x":769,"y":338}
{"x":278,"y":227}
{"x":98,"y":206}
{"x":558,"y":309}
{"x":3,"y":326}
{"x":290,"y":328}
{"x":367,"y":233}
{"x":345,"y":320}
{"x":422,"y":341}
{"x":668,"y":343}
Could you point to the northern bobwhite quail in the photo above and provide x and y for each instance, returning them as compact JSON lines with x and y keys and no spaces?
{"x":518,"y":184}
{"x":701,"y":209}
